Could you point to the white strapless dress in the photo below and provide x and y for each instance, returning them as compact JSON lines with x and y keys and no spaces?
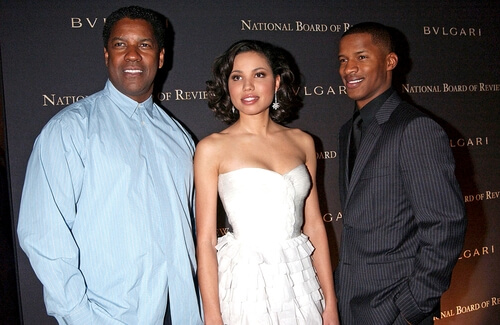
{"x":265,"y":268}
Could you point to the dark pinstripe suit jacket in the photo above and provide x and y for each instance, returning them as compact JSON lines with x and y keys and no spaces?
{"x":403,"y":219}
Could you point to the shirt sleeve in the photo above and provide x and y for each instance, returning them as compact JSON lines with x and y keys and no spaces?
{"x":428,"y":168}
{"x":47,"y":213}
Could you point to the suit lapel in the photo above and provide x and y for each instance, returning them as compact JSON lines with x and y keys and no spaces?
{"x":344,"y":139}
{"x":370,"y":139}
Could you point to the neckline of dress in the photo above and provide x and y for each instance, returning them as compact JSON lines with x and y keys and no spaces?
{"x":262,"y":169}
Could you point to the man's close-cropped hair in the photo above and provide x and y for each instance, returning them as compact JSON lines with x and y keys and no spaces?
{"x":157,"y":21}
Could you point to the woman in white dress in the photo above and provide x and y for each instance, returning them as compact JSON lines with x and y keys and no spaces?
{"x":274,"y":267}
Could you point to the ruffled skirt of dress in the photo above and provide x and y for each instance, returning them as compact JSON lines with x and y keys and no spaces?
{"x":271,"y":284}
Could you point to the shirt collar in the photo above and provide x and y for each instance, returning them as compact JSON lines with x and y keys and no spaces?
{"x":126,"y":104}
{"x":368,"y":111}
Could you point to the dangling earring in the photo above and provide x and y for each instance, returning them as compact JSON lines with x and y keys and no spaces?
{"x":233,"y":110}
{"x":275,"y":105}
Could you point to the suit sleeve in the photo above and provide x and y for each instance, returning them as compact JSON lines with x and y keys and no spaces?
{"x":47,"y":213}
{"x":428,"y":172}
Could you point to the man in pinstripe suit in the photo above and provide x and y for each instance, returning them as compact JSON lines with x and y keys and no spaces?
{"x":403,"y":212}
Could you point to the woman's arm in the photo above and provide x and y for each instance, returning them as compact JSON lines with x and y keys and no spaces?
{"x":206,"y":178}
{"x":315,"y":229}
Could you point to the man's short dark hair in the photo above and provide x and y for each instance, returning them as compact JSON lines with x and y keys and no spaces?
{"x":157,"y":21}
{"x":381,"y":34}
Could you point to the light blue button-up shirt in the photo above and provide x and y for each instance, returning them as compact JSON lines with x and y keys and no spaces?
{"x":106,"y":213}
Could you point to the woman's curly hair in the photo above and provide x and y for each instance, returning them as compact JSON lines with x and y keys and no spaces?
{"x":280,"y":62}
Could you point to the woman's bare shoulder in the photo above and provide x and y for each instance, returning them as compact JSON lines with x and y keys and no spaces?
{"x":299,"y":136}
{"x":214,"y":144}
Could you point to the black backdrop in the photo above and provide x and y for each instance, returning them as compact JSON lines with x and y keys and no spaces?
{"x":51,"y":54}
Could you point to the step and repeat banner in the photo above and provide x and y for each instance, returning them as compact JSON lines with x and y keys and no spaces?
{"x":52,"y":56}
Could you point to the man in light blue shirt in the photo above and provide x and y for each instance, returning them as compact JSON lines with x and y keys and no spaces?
{"x":106,"y":211}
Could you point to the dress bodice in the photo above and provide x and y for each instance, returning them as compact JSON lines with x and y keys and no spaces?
{"x":261,"y":203}
{"x":265,"y":269}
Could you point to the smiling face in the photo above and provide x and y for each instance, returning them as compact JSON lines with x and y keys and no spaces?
{"x":365,"y":67}
{"x":133,"y":57}
{"x":252,"y":83}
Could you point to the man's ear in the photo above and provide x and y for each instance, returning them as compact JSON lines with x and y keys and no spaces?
{"x":392,"y":61}
{"x":106,"y":56}
{"x":161,"y":58}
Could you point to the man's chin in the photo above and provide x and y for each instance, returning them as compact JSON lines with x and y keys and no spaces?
{"x":352,"y":94}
